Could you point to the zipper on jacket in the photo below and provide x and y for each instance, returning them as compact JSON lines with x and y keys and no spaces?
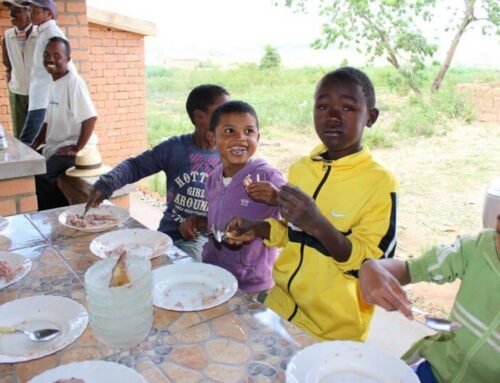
{"x":315,"y":195}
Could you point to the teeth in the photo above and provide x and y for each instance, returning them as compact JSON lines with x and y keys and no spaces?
{"x":237,"y":150}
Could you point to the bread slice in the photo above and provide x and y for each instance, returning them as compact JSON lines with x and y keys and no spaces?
{"x":120,"y":275}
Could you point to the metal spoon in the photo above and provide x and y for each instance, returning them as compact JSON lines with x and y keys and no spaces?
{"x":42,"y":335}
{"x":219,"y":235}
{"x":437,"y":324}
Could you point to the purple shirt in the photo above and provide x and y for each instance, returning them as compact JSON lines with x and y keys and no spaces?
{"x":251,"y":263}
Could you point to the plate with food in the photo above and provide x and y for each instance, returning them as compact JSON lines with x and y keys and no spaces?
{"x":346,"y":361}
{"x":142,"y":242}
{"x":91,"y":371}
{"x":3,"y":223}
{"x":35,"y":313}
{"x":97,"y":219}
{"x":192,"y":286}
{"x":13,"y":267}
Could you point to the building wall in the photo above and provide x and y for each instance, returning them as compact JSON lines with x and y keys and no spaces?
{"x":112,"y":63}
{"x":117,"y":84}
{"x":485,"y":98}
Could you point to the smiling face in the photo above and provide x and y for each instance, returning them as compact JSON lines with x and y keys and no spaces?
{"x":55,"y":59}
{"x":236,"y":137}
{"x":19,"y":17}
{"x":340,"y":116}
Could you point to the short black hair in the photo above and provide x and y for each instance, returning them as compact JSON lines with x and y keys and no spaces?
{"x":356,"y":76}
{"x":229,"y":107}
{"x":202,"y":97}
{"x":58,"y":39}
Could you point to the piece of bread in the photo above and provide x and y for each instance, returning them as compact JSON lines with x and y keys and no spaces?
{"x":247,"y":181}
{"x":120,"y":275}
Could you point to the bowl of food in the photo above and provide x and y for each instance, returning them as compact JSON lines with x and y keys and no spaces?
{"x":102,"y":218}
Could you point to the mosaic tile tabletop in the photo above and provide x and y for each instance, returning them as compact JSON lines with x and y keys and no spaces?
{"x":239,"y":341}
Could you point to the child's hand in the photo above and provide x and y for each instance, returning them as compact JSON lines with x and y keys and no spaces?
{"x":95,"y":197}
{"x":298,"y":208}
{"x":189,"y":227}
{"x":263,"y":192}
{"x":239,"y":231}
{"x":378,"y":286}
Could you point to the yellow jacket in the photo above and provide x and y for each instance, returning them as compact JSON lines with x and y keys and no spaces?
{"x":317,"y":293}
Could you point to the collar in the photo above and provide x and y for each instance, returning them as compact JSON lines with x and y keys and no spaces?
{"x":346,"y":162}
{"x":26,"y":30}
{"x":46,"y":25}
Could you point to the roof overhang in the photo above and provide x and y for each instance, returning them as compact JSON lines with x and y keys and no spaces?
{"x":125,"y":23}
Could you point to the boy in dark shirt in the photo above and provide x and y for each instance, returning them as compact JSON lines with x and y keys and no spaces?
{"x":186,"y":160}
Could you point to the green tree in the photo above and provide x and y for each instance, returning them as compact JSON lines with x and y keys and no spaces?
{"x":383,"y":28}
{"x":271,"y":58}
{"x":490,"y":19}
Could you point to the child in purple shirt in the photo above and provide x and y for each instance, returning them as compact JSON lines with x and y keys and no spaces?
{"x":240,"y":186}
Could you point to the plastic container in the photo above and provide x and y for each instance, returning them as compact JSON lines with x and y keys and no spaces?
{"x":121,"y":317}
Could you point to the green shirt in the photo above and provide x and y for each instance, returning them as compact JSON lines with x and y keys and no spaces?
{"x":471,"y":354}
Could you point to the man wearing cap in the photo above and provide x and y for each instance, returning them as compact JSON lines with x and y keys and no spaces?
{"x":18,"y":45}
{"x":43,"y":13}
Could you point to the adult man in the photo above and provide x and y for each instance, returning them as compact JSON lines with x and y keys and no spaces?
{"x":18,"y":46}
{"x":69,"y":122}
{"x":43,"y":13}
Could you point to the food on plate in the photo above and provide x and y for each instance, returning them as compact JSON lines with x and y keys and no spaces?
{"x":116,"y":251}
{"x":120,"y":275}
{"x":209,"y":299}
{"x":247,"y":181}
{"x":90,"y":220}
{"x":70,"y":380}
{"x":7,"y":272}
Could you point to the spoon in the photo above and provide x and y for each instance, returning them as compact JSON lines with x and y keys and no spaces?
{"x":42,"y":335}
{"x":437,"y":324}
{"x":219,"y":235}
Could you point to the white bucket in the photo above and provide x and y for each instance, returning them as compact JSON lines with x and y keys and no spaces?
{"x":491,"y":204}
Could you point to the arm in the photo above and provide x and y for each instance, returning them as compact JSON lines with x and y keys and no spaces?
{"x":244,"y":230}
{"x":6,"y":61}
{"x":40,"y":138}
{"x":86,"y":131}
{"x":301,"y":210}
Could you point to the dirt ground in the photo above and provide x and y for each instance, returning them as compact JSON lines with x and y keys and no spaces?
{"x":442,"y":184}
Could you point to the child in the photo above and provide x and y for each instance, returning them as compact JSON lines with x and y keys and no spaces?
{"x":69,"y":123}
{"x":43,"y":14}
{"x":18,"y":45}
{"x":234,"y":129}
{"x":339,"y":210}
{"x":472,"y":353}
{"x":186,"y":160}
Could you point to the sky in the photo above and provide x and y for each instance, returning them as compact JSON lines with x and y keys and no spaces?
{"x":227,"y":31}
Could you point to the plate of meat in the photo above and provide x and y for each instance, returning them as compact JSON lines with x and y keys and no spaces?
{"x":192,"y":286}
{"x":90,"y":371}
{"x":98,"y":219}
{"x":141,"y":242}
{"x":13,"y":267}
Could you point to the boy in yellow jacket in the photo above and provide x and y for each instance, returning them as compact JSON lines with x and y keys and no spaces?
{"x":339,"y":209}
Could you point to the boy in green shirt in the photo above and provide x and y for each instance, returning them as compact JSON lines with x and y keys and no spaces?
{"x":471,"y":354}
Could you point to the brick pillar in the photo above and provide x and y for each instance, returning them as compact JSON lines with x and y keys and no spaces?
{"x":72,"y":18}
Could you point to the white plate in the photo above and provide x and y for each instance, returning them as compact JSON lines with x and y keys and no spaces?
{"x":15,"y":260}
{"x":142,"y":242}
{"x":192,"y":286}
{"x":95,"y":371}
{"x":3,"y":223}
{"x":39,"y":312}
{"x":345,"y":361}
{"x":120,"y":216}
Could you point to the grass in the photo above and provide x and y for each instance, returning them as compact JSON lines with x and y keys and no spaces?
{"x":284,"y":103}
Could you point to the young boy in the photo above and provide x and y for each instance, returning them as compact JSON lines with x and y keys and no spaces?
{"x":472,"y":353}
{"x":234,"y":130}
{"x":339,"y":210}
{"x":18,"y":46}
{"x":186,"y":160}
{"x":69,"y":123}
{"x":43,"y":14}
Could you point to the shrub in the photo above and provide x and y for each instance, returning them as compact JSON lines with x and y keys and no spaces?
{"x":271,"y":58}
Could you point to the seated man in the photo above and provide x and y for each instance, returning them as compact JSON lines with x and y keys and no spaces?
{"x":68,"y":125}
